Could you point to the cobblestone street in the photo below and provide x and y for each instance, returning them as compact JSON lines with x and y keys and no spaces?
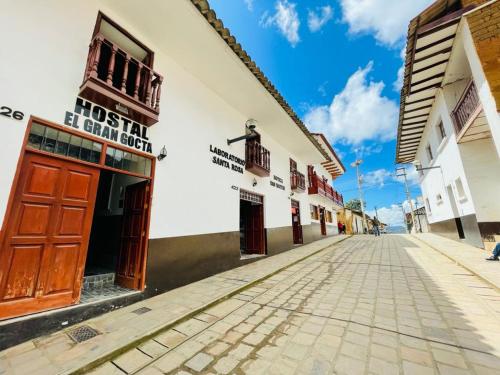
{"x":386,"y":305}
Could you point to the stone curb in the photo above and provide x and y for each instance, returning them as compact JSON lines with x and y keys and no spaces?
{"x":134,"y":343}
{"x":460,"y":263}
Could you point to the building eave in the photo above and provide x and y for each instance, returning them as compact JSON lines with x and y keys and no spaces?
{"x":209,"y":14}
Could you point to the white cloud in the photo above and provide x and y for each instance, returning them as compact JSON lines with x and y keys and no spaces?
{"x":319,"y":18}
{"x":412,"y":176}
{"x":398,"y":84}
{"x":249,"y":4}
{"x":392,"y":215}
{"x":386,"y":19}
{"x":286,"y":19}
{"x":362,"y":151}
{"x":358,"y":113}
{"x":377,"y":177}
{"x":322,"y":88}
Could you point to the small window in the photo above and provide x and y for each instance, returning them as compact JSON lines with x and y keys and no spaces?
{"x":429,"y":153}
{"x":59,"y":142}
{"x":460,"y":189}
{"x":314,"y":212}
{"x":428,"y":206}
{"x":329,"y":218}
{"x":441,"y":131}
{"x":127,"y":161}
{"x":439,"y":198}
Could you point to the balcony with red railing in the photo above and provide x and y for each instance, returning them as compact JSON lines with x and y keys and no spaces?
{"x":120,"y":82}
{"x":297,"y":181}
{"x":258,"y":159}
{"x":467,"y":108}
{"x":319,"y":185}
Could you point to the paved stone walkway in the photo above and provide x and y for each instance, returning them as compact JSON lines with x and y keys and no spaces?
{"x":467,"y":256}
{"x":386,"y":305}
{"x":120,"y":329}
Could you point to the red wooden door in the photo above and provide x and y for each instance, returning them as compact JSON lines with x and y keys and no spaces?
{"x":132,"y":255}
{"x":296,"y":225}
{"x":322,"y":220}
{"x":43,"y":254}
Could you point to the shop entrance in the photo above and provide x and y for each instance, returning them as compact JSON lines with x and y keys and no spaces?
{"x":322,"y":220}
{"x":117,"y":236}
{"x":252,"y":233}
{"x":53,"y":230}
{"x":296,"y":224}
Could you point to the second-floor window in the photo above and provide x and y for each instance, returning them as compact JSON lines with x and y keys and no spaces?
{"x":441,"y":132}
{"x":429,"y":153}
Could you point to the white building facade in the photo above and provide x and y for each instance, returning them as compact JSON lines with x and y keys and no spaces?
{"x":449,"y":123}
{"x":130,"y":172}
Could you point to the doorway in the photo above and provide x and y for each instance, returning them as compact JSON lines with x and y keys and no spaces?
{"x":296,"y":224}
{"x":322,"y":220}
{"x":456,"y":215}
{"x":116,"y":238}
{"x":252,"y":232}
{"x":51,"y":219}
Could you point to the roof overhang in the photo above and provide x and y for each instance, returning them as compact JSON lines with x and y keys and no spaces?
{"x":333,"y":164}
{"x":428,"y":50}
{"x":188,"y":33}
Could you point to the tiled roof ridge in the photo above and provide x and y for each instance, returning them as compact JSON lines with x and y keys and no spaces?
{"x":209,"y":14}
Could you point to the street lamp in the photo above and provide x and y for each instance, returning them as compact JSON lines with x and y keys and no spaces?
{"x":356,"y":165}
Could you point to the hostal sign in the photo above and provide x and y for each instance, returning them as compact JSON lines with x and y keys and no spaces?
{"x":108,"y":125}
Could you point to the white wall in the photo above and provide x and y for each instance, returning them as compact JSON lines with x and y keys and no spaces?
{"x":191,"y":195}
{"x":447,"y":157}
{"x":484,"y":90}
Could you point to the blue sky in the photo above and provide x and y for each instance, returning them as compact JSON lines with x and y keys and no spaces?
{"x":336,"y":62}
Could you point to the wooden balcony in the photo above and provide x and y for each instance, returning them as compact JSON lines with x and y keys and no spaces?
{"x":467,"y":109}
{"x":320,"y":186}
{"x":121,"y":83}
{"x":258,"y":159}
{"x":297,"y":181}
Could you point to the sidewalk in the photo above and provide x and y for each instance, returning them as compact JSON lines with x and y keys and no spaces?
{"x":127,"y":327}
{"x":469,"y":257}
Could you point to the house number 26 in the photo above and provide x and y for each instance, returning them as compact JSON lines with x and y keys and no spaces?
{"x":8,"y":112}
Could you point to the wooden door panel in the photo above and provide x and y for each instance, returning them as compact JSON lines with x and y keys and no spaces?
{"x":33,"y":219}
{"x":22,"y":275}
{"x":71,"y":221}
{"x":46,"y":237}
{"x":78,"y":186}
{"x":43,"y":180}
{"x":63,"y":265}
{"x":133,"y":240}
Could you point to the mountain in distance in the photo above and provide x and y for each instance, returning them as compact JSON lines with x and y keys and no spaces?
{"x":396,"y":229}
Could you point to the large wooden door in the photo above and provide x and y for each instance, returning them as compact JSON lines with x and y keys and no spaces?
{"x":42,"y":258}
{"x":322,"y":220}
{"x":133,"y":238}
{"x":256,"y":235}
{"x":296,"y":225}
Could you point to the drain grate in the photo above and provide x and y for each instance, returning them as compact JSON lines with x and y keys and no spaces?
{"x":82,"y":333}
{"x":141,"y":310}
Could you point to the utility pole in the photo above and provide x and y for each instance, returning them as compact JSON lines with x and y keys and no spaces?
{"x":401,"y":172}
{"x":356,"y":164}
{"x":376,"y":213}
{"x":404,"y":217}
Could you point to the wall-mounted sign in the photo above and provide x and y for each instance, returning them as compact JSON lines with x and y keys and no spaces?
{"x":277,"y":182}
{"x":225,"y":159}
{"x":109,"y":125}
{"x":10,"y":113}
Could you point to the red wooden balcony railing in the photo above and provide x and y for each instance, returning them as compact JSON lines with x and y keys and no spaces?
{"x":113,"y":77}
{"x":258,"y":159}
{"x":297,"y":181}
{"x":319,"y":185}
{"x":466,"y":107}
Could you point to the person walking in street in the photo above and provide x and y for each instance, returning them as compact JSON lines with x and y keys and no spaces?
{"x":339,"y":226}
{"x":496,"y":253}
{"x":376,"y":224}
{"x":343,"y":229}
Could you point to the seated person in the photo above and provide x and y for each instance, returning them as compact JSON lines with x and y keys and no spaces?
{"x":496,"y":253}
